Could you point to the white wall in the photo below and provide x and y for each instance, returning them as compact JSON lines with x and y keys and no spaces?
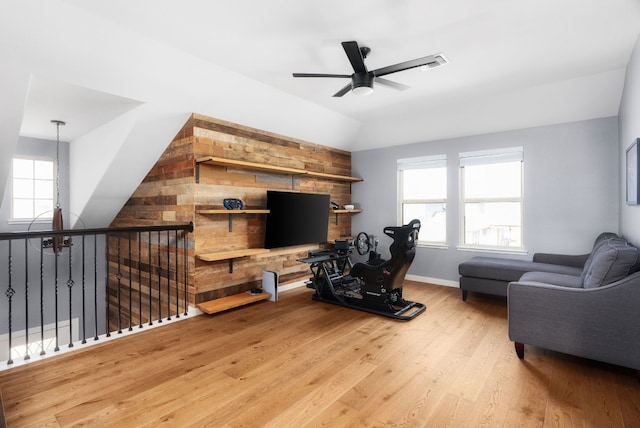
{"x":629,"y":124}
{"x":571,"y":189}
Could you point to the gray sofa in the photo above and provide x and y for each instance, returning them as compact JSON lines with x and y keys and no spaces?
{"x":492,"y":275}
{"x":600,"y":323}
{"x":596,"y":315}
{"x":592,"y":313}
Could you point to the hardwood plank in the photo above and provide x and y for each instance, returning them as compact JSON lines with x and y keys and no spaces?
{"x":3,"y":423}
{"x":298,"y":362}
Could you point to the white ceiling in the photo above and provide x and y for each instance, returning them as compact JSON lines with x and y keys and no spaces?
{"x":513,"y":64}
{"x":126,"y":74}
{"x":82,"y":109}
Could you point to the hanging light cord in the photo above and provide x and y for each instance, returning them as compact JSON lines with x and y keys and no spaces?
{"x":58,"y":123}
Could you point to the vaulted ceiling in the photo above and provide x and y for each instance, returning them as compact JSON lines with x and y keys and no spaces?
{"x":126,"y":74}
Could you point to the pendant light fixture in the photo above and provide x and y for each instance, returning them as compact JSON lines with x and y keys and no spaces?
{"x":58,"y":224}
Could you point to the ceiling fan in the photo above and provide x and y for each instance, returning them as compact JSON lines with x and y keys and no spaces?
{"x":362,"y":79}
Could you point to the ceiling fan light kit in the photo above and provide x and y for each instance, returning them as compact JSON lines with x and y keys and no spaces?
{"x":362,"y":83}
{"x":362,"y":79}
{"x":362,"y":90}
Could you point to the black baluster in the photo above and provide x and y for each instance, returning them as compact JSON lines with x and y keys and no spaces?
{"x":119,"y":276}
{"x":159,"y":280}
{"x":70,"y":284}
{"x":57,"y":254}
{"x":84,"y":284}
{"x":175,"y":246}
{"x":168,"y":275}
{"x":130,"y":283}
{"x":149,"y":257}
{"x":107,"y":283}
{"x":184,"y":267}
{"x":9,"y":293}
{"x":26,"y":300}
{"x":95,"y":286}
{"x":42,"y":350}
{"x":139,"y":279}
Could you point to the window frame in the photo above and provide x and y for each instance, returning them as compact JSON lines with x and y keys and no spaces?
{"x":39,"y":218}
{"x":488,"y":157}
{"x":422,"y":162}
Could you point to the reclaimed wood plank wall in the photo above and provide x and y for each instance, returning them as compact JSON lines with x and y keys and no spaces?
{"x":169,"y":194}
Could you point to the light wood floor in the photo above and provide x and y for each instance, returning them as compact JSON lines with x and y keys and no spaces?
{"x":299,"y":363}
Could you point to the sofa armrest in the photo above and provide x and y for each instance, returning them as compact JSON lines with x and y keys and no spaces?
{"x":598,"y":323}
{"x":561,"y":259}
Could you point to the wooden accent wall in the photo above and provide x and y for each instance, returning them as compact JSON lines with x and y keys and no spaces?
{"x":169,"y":194}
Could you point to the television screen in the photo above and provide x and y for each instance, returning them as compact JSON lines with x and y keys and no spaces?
{"x":296,"y":218}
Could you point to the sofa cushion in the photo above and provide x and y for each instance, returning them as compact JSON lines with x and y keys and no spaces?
{"x":603,"y":237}
{"x":508,"y":269}
{"x":611,"y":261}
{"x":600,"y":241}
{"x":560,"y":279}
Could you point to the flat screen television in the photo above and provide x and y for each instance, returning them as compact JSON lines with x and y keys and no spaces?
{"x":296,"y":218}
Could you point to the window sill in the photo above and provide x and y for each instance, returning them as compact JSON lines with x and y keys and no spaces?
{"x":515,"y":251}
{"x":431,"y":245}
{"x":27,"y":221}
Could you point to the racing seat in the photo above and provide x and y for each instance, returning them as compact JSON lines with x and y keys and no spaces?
{"x":374,"y":286}
{"x":386,"y":276}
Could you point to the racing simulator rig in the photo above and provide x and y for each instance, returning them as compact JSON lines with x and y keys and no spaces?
{"x":374,"y":286}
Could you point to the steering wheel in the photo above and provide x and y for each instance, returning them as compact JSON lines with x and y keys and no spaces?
{"x":363,"y":243}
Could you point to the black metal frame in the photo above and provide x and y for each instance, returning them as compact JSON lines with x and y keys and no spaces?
{"x":333,"y":285}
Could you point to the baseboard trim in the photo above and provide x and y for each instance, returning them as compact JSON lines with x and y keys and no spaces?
{"x":291,"y":286}
{"x":431,"y":280}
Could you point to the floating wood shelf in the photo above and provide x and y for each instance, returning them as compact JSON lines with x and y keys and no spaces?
{"x":230,"y":255}
{"x":346,"y":211}
{"x":341,"y":211}
{"x":233,"y":254}
{"x":269,"y":168}
{"x":249,"y":165}
{"x":225,"y":211}
{"x":231,"y":213}
{"x":230,"y":302}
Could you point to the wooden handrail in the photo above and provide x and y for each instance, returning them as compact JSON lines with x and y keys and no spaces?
{"x":98,"y":231}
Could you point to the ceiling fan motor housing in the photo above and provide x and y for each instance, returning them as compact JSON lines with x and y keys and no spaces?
{"x":362,"y":80}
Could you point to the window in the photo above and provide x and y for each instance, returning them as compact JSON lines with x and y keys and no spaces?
{"x":423,"y":195}
{"x":492,"y":199}
{"x":32,"y":189}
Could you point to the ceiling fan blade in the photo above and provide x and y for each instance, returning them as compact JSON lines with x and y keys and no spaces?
{"x":355,"y":56}
{"x":343,"y":91}
{"x":320,"y":75}
{"x":391,"y":84}
{"x":418,"y":62}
